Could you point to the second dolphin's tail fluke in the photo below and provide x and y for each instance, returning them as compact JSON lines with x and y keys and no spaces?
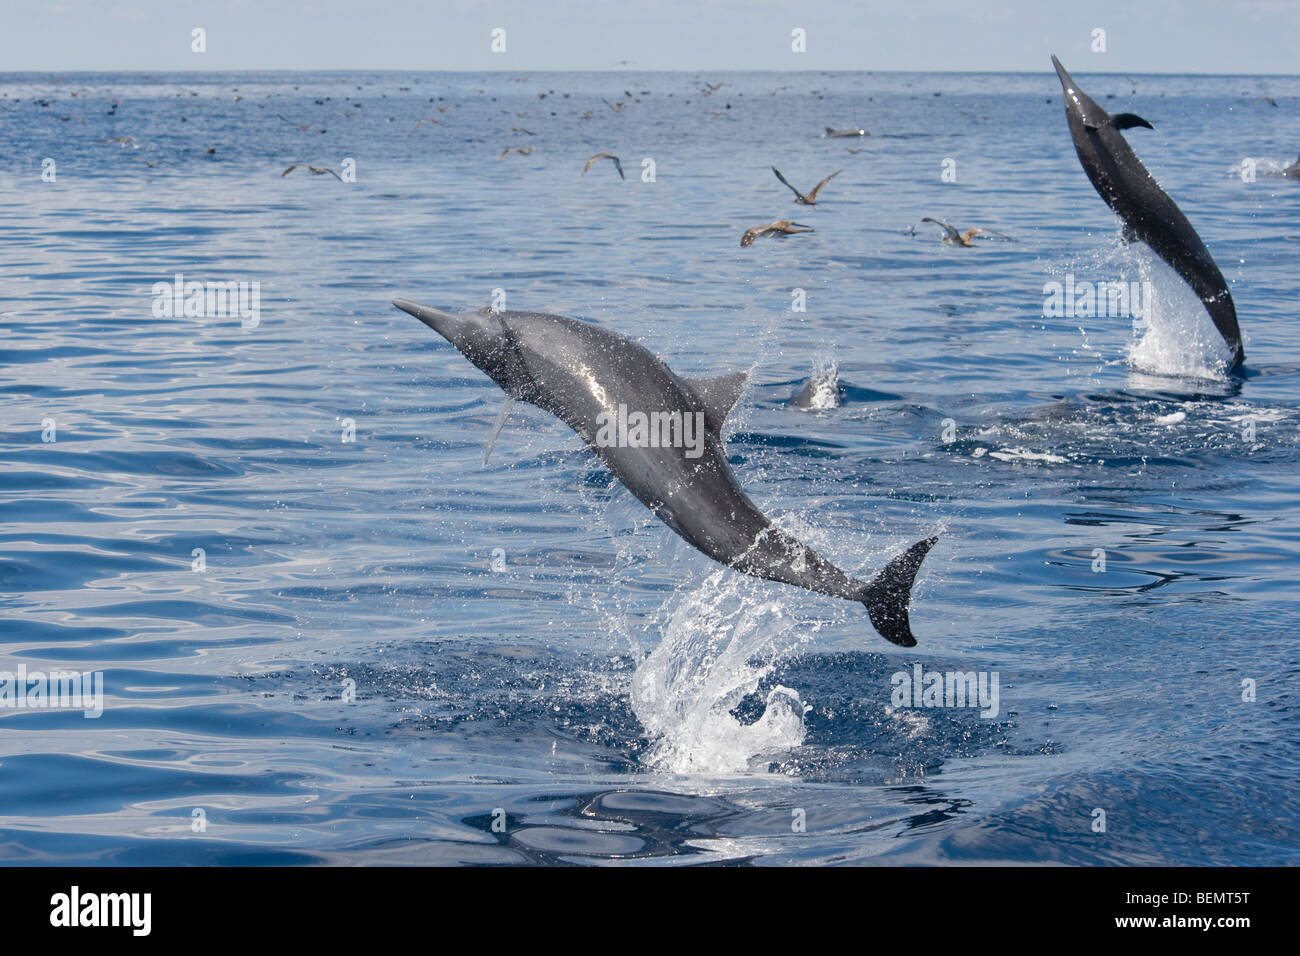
{"x":888,"y":596}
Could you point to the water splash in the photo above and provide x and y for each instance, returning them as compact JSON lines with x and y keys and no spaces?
{"x":1263,"y":166}
{"x":720,"y":641}
{"x":1175,"y":335}
{"x":822,"y":391}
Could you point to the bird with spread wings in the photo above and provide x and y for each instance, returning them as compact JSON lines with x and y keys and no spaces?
{"x":963,"y":238}
{"x":314,"y":170}
{"x":780,"y":227}
{"x":617,"y":165}
{"x":811,"y":198}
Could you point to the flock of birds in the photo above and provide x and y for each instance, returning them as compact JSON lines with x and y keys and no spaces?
{"x":788,"y":227}
{"x":950,"y":234}
{"x":778,"y":227}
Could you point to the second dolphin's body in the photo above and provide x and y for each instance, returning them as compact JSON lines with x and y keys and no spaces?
{"x":1148,"y":213}
{"x":661,"y":437}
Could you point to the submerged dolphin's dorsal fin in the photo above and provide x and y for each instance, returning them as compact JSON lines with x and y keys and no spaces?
{"x":1129,"y":120}
{"x":497,"y":426}
{"x":719,"y":395}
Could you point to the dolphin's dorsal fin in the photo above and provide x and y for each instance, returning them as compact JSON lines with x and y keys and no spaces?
{"x":496,"y":428}
{"x":719,"y":395}
{"x":1129,"y":120}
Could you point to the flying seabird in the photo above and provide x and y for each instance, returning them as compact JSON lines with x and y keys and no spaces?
{"x":954,"y":238}
{"x":784,"y":226}
{"x":314,"y":170}
{"x":617,"y":165}
{"x":521,"y":150}
{"x":292,"y":123}
{"x":811,"y":198}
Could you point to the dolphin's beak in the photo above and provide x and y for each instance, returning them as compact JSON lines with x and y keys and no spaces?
{"x":1077,"y":103}
{"x":1067,"y":83}
{"x":440,"y":320}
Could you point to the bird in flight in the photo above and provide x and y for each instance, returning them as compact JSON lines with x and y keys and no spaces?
{"x":782,"y":226}
{"x":616,"y":107}
{"x":954,"y":238}
{"x":811,"y":198}
{"x":304,"y":128}
{"x":314,"y":170}
{"x":521,"y":150}
{"x":617,"y":165}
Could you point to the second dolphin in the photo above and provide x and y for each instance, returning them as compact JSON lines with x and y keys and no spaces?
{"x":1149,"y":214}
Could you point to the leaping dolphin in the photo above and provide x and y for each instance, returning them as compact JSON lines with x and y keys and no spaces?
{"x":1148,"y":213}
{"x":660,"y":435}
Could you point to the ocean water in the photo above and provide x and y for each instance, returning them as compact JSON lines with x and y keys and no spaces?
{"x":328,"y":632}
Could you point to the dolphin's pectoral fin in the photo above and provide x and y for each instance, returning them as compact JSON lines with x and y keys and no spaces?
{"x":719,"y":395}
{"x":497,"y":426}
{"x":1129,"y":120}
{"x":888,"y":596}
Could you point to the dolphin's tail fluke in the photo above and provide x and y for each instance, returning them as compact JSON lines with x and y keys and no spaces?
{"x":888,"y":596}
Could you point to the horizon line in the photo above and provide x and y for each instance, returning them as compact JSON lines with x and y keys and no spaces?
{"x":623,"y":71}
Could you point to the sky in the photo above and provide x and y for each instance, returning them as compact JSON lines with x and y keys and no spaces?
{"x":1141,"y":36}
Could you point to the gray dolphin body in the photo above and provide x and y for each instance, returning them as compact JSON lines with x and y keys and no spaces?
{"x":586,"y":376}
{"x":1148,"y":213}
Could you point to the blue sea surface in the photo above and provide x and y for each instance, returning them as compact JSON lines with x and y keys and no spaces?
{"x":328,"y":632}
